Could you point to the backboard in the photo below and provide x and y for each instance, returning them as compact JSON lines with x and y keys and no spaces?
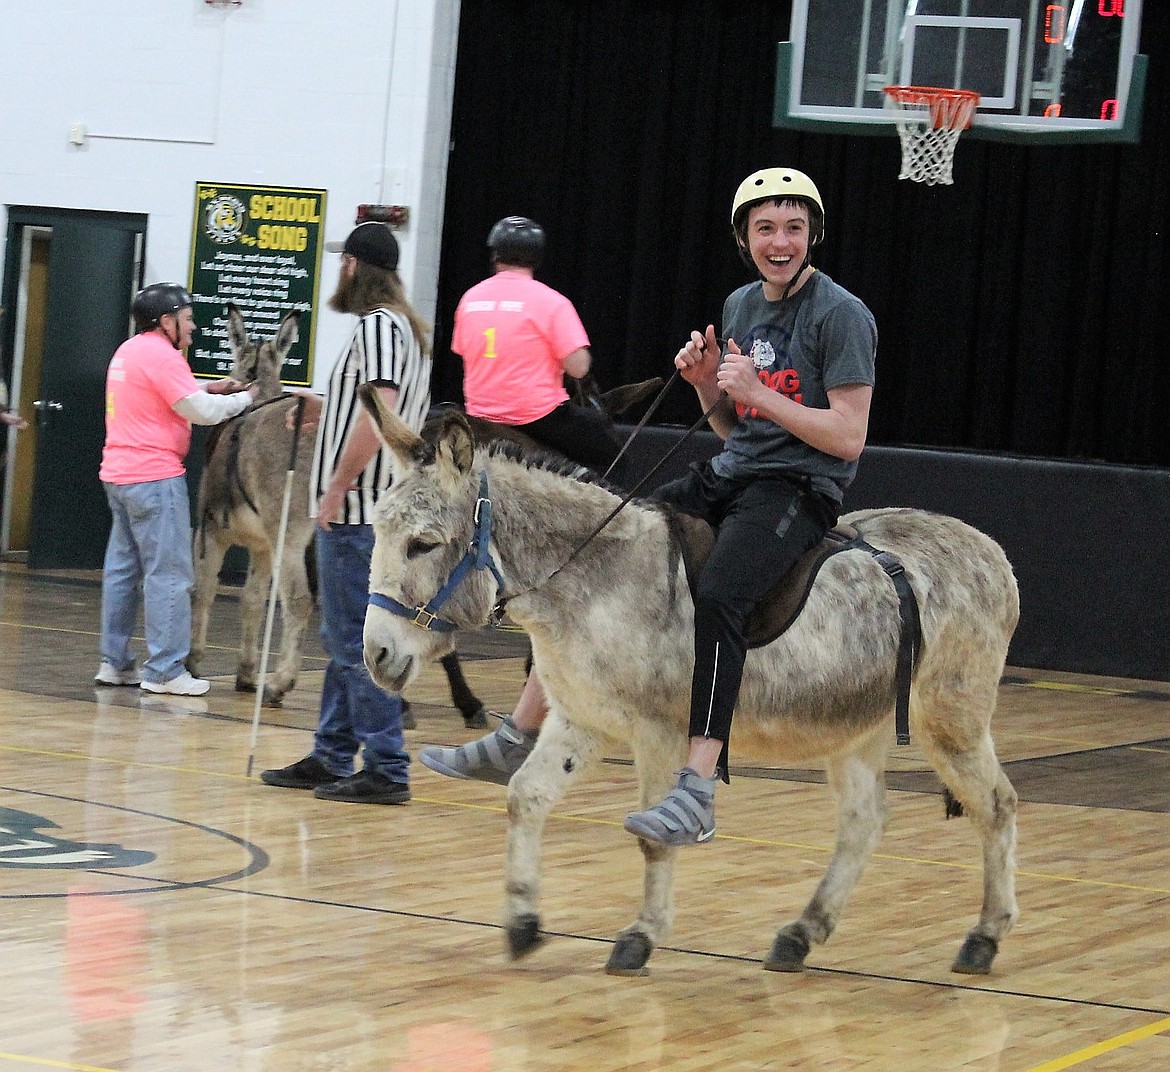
{"x":1044,"y":71}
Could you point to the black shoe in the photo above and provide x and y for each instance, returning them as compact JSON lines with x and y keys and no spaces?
{"x":365,"y":787}
{"x":307,"y":773}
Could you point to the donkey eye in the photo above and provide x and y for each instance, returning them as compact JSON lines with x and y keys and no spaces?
{"x":418,"y":546}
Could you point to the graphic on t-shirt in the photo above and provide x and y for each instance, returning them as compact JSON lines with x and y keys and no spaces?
{"x":773,"y":362}
{"x":763,"y":354}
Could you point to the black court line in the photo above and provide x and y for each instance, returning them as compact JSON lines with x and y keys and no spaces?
{"x":708,"y":955}
{"x":259,"y":859}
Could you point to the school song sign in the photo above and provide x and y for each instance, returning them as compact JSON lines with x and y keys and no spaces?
{"x":259,"y":248}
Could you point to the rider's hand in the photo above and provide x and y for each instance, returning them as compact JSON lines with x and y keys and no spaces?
{"x":698,"y":360}
{"x":737,"y":376}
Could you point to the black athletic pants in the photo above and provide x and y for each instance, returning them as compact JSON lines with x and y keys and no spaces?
{"x":581,"y":434}
{"x":762,"y":526}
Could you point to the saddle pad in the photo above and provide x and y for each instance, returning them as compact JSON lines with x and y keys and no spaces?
{"x":779,"y":607}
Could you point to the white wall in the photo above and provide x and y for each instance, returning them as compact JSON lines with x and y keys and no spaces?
{"x":350,"y":96}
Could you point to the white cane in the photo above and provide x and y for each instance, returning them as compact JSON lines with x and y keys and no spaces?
{"x":276,"y":564}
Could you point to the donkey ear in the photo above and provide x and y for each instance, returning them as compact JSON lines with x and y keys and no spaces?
{"x":617,"y":400}
{"x":395,"y":432}
{"x":237,"y":332}
{"x":455,"y":440}
{"x":286,"y":334}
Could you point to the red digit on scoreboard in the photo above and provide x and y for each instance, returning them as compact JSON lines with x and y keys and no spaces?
{"x":1054,"y":23}
{"x":1109,"y":109}
{"x":1108,"y":8}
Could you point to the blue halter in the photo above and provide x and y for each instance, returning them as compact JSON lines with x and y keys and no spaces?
{"x":478,"y":557}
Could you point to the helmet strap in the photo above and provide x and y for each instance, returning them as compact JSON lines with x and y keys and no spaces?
{"x":173,"y":340}
{"x":747,"y":259}
{"x":792,"y":282}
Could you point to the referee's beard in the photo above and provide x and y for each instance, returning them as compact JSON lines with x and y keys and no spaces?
{"x":342,"y":299}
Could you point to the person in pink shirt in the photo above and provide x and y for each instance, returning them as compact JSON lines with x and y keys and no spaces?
{"x":518,"y":339}
{"x":152,"y":399}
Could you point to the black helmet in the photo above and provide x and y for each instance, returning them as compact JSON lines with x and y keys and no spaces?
{"x":517,"y":240}
{"x":155,"y":301}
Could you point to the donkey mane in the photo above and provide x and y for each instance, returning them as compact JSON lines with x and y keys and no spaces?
{"x":548,"y":461}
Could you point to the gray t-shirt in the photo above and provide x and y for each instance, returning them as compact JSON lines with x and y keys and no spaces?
{"x":820,"y":338}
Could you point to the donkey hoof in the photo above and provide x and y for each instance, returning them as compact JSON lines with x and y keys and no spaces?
{"x":976,"y":955}
{"x":478,"y":718}
{"x":629,"y":956}
{"x":409,"y":722}
{"x":787,"y":953}
{"x":244,"y":684}
{"x":524,"y":936}
{"x":272,"y":698}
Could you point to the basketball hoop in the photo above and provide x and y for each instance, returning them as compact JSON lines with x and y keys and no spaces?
{"x":929,"y":122}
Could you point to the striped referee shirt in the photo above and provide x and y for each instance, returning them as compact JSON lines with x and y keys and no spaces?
{"x":383,"y":350}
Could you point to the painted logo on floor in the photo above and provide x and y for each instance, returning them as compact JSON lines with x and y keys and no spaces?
{"x":22,"y":846}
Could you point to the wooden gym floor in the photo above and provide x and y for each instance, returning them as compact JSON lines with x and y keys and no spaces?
{"x":160,"y":911}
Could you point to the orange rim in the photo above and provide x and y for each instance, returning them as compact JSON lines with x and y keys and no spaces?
{"x":954,"y":108}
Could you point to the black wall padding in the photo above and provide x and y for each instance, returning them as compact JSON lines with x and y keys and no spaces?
{"x":1089,"y":542}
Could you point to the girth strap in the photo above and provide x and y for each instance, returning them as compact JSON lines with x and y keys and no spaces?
{"x":781,"y":607}
{"x":909,"y":640}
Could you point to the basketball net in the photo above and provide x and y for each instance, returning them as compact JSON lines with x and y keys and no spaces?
{"x":929,"y":122}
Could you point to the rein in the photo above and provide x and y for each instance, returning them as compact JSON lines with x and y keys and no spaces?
{"x":501,"y":606}
{"x":478,"y":556}
{"x":641,"y":424}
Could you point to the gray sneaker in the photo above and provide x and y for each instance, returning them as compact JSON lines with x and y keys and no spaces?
{"x":685,"y":816}
{"x":493,"y":758}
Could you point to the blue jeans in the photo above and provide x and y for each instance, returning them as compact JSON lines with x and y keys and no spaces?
{"x":354,"y":711}
{"x":150,"y":543}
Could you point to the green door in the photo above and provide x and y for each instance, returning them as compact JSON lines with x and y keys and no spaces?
{"x":91,"y":282}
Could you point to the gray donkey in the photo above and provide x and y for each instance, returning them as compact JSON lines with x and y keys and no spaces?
{"x":239,"y":503}
{"x":611,"y":624}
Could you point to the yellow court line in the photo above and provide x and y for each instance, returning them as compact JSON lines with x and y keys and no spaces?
{"x":123,"y":762}
{"x":1072,"y":686}
{"x":94,"y":633}
{"x":1078,"y":742}
{"x":743,"y":839}
{"x":1158,"y":1027}
{"x":44,"y":1062}
{"x":53,"y":629}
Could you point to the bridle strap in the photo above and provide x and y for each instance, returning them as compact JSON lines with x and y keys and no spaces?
{"x":477,"y":557}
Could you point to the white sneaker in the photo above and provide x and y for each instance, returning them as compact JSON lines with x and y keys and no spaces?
{"x":183,"y":685}
{"x":109,"y":674}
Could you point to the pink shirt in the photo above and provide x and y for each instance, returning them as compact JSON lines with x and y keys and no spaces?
{"x":514,"y":334}
{"x":145,"y":438}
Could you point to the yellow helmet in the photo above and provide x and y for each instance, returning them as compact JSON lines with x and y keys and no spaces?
{"x":780,"y":183}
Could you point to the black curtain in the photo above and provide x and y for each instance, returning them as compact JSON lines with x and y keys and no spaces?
{"x":1021,"y":310}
